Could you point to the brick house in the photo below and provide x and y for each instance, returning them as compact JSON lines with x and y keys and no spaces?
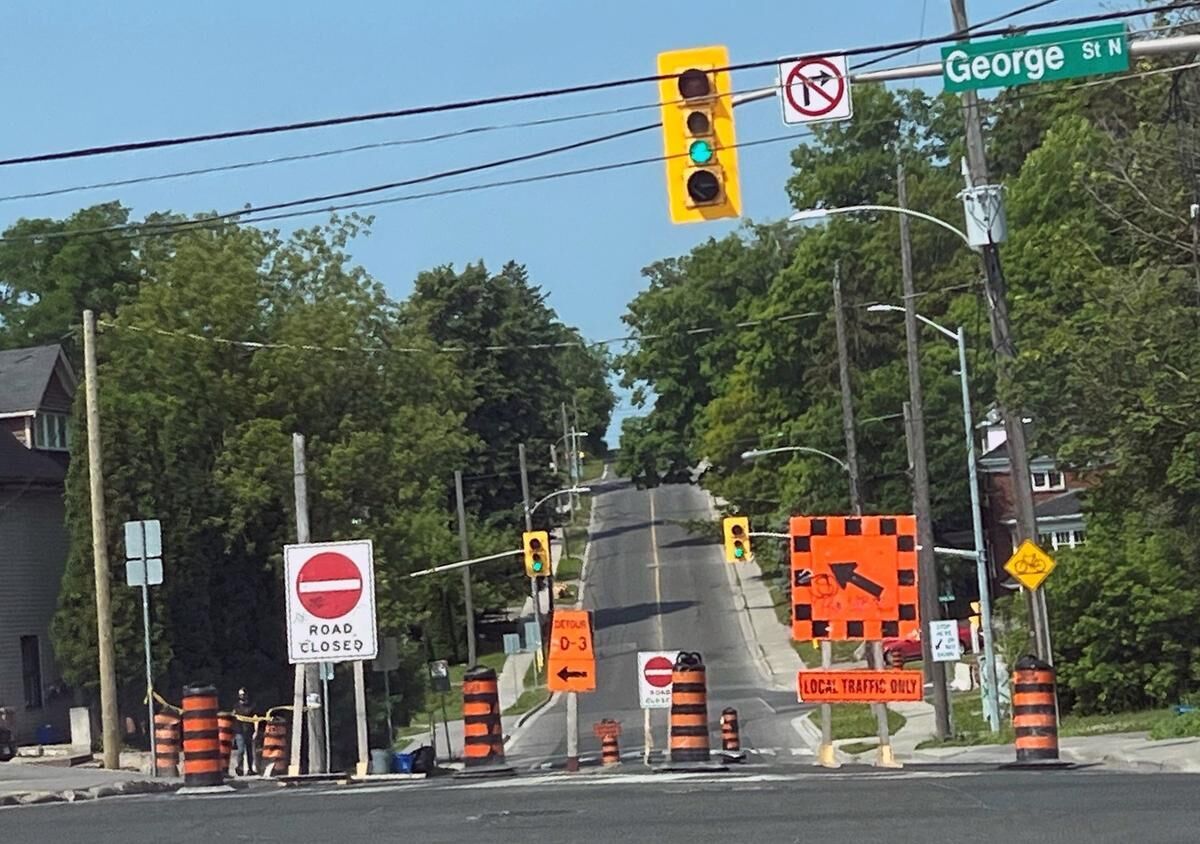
{"x":1057,"y":505}
{"x":36,"y":390}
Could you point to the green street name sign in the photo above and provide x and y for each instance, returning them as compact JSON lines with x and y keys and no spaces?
{"x":1025,"y":59}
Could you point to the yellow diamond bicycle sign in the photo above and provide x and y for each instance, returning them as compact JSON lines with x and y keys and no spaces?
{"x":1030,"y":565}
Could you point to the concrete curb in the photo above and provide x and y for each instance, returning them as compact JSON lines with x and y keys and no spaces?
{"x":117,"y":789}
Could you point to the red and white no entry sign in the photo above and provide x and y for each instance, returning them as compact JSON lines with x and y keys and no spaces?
{"x":658,"y":671}
{"x":654,"y":678}
{"x":815,"y":88}
{"x":329,"y":585}
{"x":330,"y":588}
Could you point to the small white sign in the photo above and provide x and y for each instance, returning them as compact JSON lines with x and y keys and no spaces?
{"x":148,"y":573}
{"x":330,"y":604}
{"x":943,"y":641}
{"x":815,"y":89}
{"x":143,"y":539}
{"x":655,"y":669}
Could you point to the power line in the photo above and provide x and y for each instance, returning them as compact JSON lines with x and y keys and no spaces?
{"x":438,"y":136}
{"x":251,"y":215}
{"x":459,"y":105}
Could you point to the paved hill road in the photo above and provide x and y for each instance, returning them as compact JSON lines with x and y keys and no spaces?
{"x":653,"y":585}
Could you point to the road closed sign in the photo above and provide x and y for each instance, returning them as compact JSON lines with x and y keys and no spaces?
{"x":655,"y":670}
{"x":330,"y":604}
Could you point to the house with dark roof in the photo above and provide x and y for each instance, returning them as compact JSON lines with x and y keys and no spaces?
{"x":37,"y":387}
{"x":1057,"y":502}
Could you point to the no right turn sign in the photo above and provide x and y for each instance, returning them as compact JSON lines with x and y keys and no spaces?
{"x":815,"y":89}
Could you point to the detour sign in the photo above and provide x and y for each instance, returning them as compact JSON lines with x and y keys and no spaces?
{"x":859,"y":686}
{"x":572,"y":660}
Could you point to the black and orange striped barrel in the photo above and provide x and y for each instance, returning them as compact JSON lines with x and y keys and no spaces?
{"x":274,"y":744}
{"x":1035,"y":715}
{"x":201,"y":737}
{"x":609,"y":732}
{"x":731,"y":738}
{"x":483,"y":735}
{"x":166,"y":744}
{"x":225,"y":724}
{"x":689,"y":710}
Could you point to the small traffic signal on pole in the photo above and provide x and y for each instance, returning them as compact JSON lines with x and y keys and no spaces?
{"x":737,"y":539}
{"x":698,"y":138}
{"x":537,"y":553}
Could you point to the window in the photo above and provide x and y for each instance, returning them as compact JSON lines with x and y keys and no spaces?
{"x":1048,"y":481}
{"x":31,"y":671}
{"x":50,"y":432}
{"x":1062,"y":539}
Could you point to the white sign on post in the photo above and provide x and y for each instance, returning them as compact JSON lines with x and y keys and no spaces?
{"x":943,"y":641}
{"x":330,"y":589}
{"x":815,"y":89}
{"x":655,"y":669}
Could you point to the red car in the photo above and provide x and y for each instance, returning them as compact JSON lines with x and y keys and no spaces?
{"x":909,"y":647}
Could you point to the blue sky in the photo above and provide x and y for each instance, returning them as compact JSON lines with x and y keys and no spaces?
{"x":77,"y":74}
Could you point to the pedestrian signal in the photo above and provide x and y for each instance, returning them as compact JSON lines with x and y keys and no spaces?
{"x":695,"y":94}
{"x":537,"y":553}
{"x":737,"y":539}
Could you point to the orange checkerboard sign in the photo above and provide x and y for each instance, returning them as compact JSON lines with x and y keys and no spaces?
{"x":853,"y":577}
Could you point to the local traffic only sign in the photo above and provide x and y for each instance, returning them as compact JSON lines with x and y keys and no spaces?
{"x":859,"y":686}
{"x":1042,"y":57}
{"x":330,"y":589}
{"x":815,"y":89}
{"x":572,"y":666}
{"x":655,"y":672}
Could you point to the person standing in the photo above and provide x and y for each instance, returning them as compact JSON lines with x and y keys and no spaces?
{"x":243,"y":737}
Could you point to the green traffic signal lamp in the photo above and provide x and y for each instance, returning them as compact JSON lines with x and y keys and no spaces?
{"x":700,"y":152}
{"x":739,"y":542}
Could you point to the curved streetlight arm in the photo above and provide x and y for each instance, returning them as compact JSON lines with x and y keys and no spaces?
{"x":817,"y":213}
{"x":953,"y":335}
{"x":761,"y":452}
{"x":575,"y":490}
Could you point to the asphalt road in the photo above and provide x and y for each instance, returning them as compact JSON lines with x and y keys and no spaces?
{"x":653,"y":585}
{"x":772,"y":805}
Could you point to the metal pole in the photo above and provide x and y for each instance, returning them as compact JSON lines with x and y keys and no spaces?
{"x":149,"y":668}
{"x":360,"y":716}
{"x":927,"y":579}
{"x":647,"y":736}
{"x":466,"y":572}
{"x":875,"y":649}
{"x":569,"y":444}
{"x":109,"y":719}
{"x":533,"y":581}
{"x":988,"y":675}
{"x":996,"y":290}
{"x":387,"y":695}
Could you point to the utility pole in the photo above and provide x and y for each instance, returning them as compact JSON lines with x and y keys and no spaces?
{"x":464,"y":546}
{"x":927,"y":592}
{"x":874,"y":649}
{"x":569,"y":445}
{"x":847,"y":400}
{"x":997,"y":296}
{"x":311,"y":672}
{"x":109,"y":717}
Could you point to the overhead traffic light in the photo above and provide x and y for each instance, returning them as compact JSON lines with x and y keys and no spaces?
{"x":537,"y":553}
{"x":696,"y":95}
{"x":737,"y":539}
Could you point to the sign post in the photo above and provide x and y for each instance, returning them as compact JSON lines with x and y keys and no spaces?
{"x":144,"y":568}
{"x":1040,"y":57}
{"x":571,"y":669}
{"x":330,"y":604}
{"x":655,"y":671}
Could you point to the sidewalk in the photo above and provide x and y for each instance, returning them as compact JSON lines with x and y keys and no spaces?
{"x":24,"y":783}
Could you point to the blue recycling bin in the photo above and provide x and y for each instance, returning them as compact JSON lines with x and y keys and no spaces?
{"x":47,"y":734}
{"x":402,"y":763}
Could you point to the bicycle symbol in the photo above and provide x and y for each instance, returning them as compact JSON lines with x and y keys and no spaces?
{"x":1029,"y":564}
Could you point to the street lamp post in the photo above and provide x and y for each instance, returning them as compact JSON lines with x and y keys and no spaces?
{"x":985,"y":603}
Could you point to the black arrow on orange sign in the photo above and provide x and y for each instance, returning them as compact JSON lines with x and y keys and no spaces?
{"x":847,"y":573}
{"x":565,"y":674}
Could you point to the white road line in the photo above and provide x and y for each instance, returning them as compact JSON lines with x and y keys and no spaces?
{"x":342,"y":585}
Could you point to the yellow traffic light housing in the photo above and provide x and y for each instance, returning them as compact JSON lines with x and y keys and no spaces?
{"x":537,"y":552}
{"x":696,"y":96}
{"x":737,"y":539}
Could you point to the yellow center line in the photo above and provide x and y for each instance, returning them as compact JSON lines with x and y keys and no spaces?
{"x":657,"y":572}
